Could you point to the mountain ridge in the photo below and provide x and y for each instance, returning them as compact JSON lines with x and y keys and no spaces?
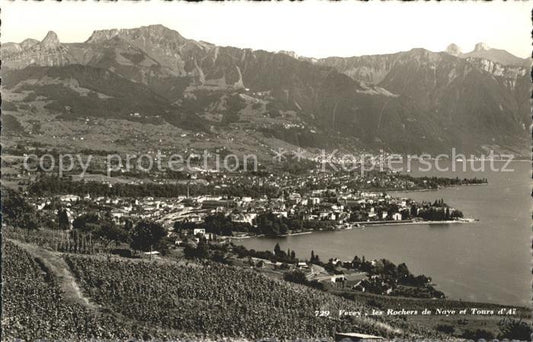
{"x":483,"y":51}
{"x":407,"y":101}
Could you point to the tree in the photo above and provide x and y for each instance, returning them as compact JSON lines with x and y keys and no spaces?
{"x":389,"y":268}
{"x":201,"y":251}
{"x":29,"y":221}
{"x":221,"y":224}
{"x":110,"y":232}
{"x":456,"y":214}
{"x":447,"y":215}
{"x":128,"y":225}
{"x":315,"y":259}
{"x":220,"y":257}
{"x":293,"y":255}
{"x":180,"y":226}
{"x":515,"y":330}
{"x":189,"y":252}
{"x":271,"y":225}
{"x":147,"y":235}
{"x":75,"y":235}
{"x":277,"y":249}
{"x":380,"y":213}
{"x":296,"y":276}
{"x":83,"y":221}
{"x":16,"y":211}
{"x":62,"y":219}
{"x":403,"y":271}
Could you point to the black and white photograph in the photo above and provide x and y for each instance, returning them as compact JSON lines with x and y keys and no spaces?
{"x":266,"y":171}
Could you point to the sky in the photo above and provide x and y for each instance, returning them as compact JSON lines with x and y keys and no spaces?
{"x":312,"y":28}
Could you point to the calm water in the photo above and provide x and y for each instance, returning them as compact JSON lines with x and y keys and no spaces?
{"x":485,"y":261}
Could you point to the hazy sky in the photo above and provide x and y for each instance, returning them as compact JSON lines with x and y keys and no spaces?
{"x":313,"y":28}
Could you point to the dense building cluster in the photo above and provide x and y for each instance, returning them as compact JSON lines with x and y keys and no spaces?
{"x":303,"y":204}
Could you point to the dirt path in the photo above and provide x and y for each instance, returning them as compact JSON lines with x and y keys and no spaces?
{"x":57,"y":267}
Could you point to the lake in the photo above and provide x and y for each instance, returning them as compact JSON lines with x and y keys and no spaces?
{"x":487,"y":261}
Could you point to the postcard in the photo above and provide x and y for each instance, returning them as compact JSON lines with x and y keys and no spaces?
{"x":266,"y":171}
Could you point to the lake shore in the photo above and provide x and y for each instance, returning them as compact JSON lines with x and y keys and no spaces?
{"x":362,"y":225}
{"x":433,"y":189}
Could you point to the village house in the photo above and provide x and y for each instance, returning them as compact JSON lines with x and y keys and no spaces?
{"x":397,"y":216}
{"x":338,"y":278}
{"x":302,"y":265}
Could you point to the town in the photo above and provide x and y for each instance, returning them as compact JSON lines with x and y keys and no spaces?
{"x":202,"y":215}
{"x":203,"y":226}
{"x":228,"y":206}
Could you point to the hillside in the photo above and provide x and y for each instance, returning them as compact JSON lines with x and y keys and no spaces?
{"x":166,"y":299}
{"x":475,"y":103}
{"x":410,"y":102}
{"x":64,"y":295}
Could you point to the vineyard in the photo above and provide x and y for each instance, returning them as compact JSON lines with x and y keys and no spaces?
{"x":166,"y":299}
{"x":212,"y":300}
{"x":116,"y":298}
{"x":34,"y":307}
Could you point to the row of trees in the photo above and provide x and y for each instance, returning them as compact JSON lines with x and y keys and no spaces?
{"x":285,"y":257}
{"x":268,"y":224}
{"x":51,"y":185}
{"x":387,"y":269}
{"x":221,"y":224}
{"x":143,"y":236}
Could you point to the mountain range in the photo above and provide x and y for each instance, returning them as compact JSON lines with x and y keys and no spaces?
{"x":154,"y":81}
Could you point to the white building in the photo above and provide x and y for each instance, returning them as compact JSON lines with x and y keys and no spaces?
{"x":397,"y":217}
{"x":200,"y":231}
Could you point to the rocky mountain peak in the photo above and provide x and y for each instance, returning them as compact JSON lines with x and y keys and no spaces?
{"x":50,"y":41}
{"x":158,"y":32}
{"x":481,"y":47}
{"x":99,"y":36}
{"x":153,"y":32}
{"x":453,"y":50}
{"x":156,"y":28}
